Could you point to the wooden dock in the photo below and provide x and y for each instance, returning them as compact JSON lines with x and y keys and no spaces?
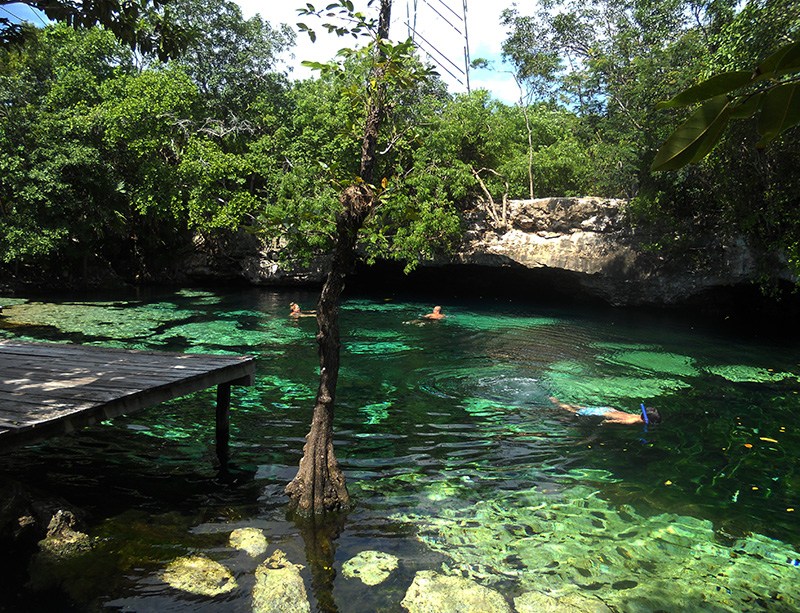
{"x":47,"y":389}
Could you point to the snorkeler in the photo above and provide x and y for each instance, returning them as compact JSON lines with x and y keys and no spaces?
{"x":611,"y":415}
{"x":435,"y":314}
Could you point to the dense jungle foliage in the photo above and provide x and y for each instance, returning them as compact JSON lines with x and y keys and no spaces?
{"x":112,"y":158}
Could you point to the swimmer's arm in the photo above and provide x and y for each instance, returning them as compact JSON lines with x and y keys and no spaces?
{"x":568,"y":407}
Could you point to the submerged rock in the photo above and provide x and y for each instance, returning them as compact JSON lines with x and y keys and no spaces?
{"x":199,"y":575}
{"x":250,"y":540}
{"x":574,"y":543}
{"x":279,"y":587}
{"x":431,"y":592}
{"x":536,"y":602}
{"x":372,"y":567}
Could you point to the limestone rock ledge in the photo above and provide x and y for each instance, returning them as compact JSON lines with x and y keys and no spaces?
{"x":592,"y":242}
{"x":586,"y":246}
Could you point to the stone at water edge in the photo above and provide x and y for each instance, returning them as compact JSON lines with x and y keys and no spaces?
{"x":431,"y":592}
{"x":62,"y":539}
{"x":199,"y":575}
{"x":279,"y":587}
{"x":250,"y":540}
{"x":372,"y":567}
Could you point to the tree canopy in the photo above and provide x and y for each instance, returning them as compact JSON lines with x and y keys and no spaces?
{"x":111,"y":158}
{"x":141,"y":24}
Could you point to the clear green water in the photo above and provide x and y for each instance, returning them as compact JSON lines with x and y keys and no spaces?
{"x":455,"y":457}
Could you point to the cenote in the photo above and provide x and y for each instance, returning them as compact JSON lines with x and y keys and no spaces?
{"x":455,"y":457}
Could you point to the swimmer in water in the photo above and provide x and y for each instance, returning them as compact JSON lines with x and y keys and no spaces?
{"x":435,"y":314}
{"x":611,"y":415}
{"x":294,"y":311}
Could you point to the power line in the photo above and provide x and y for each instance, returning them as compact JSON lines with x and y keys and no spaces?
{"x":428,"y":47}
{"x":443,"y":12}
{"x":19,"y":19}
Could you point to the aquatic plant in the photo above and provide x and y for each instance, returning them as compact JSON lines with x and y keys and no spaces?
{"x":741,"y":373}
{"x":662,"y":362}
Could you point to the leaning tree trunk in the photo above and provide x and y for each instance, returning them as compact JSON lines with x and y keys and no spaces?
{"x":319,"y":485}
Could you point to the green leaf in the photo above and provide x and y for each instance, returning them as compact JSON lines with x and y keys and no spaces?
{"x":693,"y":139}
{"x":314,"y":65}
{"x":747,"y":107}
{"x":783,"y":59}
{"x":716,"y":85}
{"x":779,"y":111}
{"x":790,"y":61}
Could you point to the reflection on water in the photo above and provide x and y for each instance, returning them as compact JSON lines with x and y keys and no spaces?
{"x":456,"y":459}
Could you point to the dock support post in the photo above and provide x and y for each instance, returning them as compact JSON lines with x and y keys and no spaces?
{"x":223,"y":423}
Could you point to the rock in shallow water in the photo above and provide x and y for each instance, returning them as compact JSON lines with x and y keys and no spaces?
{"x":536,"y":602}
{"x":62,"y":540}
{"x":574,"y":540}
{"x":250,"y":540}
{"x":199,"y":575}
{"x":372,"y":567}
{"x":434,"y":593}
{"x":279,"y":587}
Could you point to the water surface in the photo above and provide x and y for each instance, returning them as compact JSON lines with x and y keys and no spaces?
{"x":456,"y":459}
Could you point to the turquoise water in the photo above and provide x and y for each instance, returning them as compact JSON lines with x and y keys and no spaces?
{"x":456,"y":459}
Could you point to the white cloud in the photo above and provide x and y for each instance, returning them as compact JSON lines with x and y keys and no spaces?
{"x":486,"y":36}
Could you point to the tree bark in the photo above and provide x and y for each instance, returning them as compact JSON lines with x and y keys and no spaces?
{"x":319,"y":486}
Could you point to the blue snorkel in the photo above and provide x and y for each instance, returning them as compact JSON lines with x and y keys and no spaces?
{"x":646,"y":423}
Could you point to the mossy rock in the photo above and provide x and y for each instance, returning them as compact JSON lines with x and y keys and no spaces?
{"x":432,"y":592}
{"x":372,"y":567}
{"x":250,"y":540}
{"x":279,"y":587}
{"x":199,"y":575}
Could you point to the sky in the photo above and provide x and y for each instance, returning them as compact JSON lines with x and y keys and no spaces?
{"x":439,"y":27}
{"x":442,"y":31}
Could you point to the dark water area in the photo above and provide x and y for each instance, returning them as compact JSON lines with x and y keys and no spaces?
{"x":456,"y":459}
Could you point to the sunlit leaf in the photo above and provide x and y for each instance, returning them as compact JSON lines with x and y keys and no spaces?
{"x":779,"y":111}
{"x":314,"y":65}
{"x":693,"y":139}
{"x":716,"y":85}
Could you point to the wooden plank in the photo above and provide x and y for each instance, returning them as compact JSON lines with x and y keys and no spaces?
{"x":47,"y":389}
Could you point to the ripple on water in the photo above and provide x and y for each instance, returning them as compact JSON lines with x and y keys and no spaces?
{"x":452,"y":451}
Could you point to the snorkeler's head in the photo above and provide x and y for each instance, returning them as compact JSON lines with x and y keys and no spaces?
{"x":653,"y":416}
